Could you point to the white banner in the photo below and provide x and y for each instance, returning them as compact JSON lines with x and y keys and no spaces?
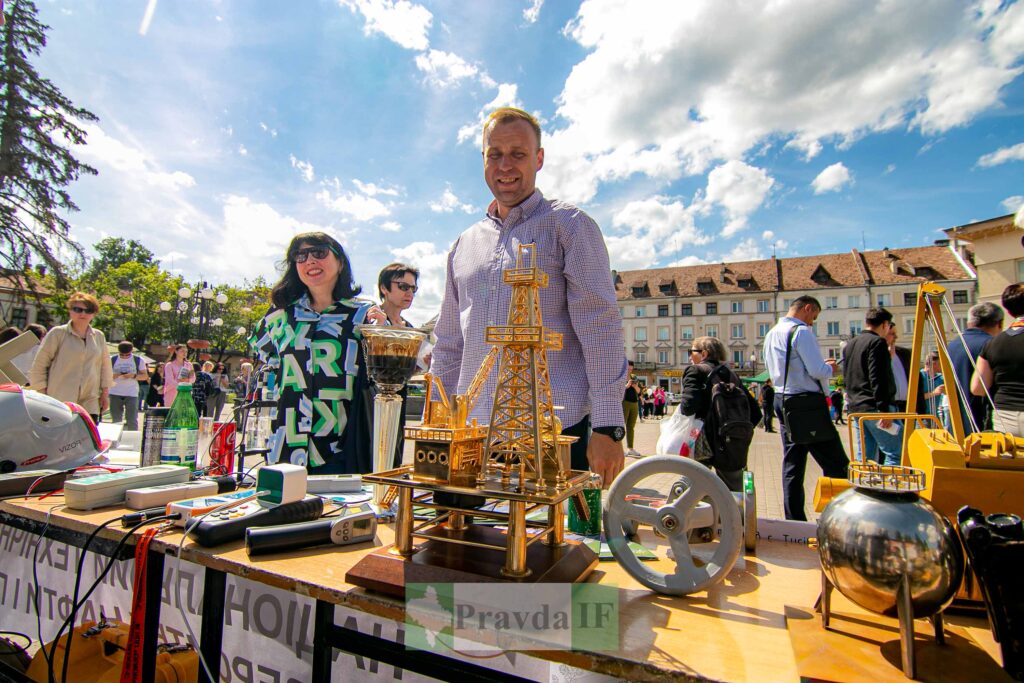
{"x":268,"y":632}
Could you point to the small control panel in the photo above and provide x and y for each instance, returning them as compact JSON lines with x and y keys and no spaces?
{"x":356,"y":524}
{"x":224,"y":526}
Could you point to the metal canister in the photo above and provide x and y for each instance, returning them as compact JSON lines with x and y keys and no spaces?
{"x":152,"y":435}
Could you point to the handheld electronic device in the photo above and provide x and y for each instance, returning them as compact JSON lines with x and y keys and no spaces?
{"x":334,"y":483}
{"x":281,"y":483}
{"x":194,"y":507}
{"x":354,"y":525}
{"x":230,"y":525}
{"x":18,"y":483}
{"x":153,"y":496}
{"x":110,"y":488}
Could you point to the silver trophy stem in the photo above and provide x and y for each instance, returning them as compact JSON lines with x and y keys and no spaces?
{"x":387,"y":408}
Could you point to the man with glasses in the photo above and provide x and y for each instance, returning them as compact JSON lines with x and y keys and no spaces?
{"x":808,"y":372}
{"x":588,"y":376}
{"x":871,"y":388}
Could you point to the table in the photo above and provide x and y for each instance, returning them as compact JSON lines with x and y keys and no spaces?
{"x":736,"y":631}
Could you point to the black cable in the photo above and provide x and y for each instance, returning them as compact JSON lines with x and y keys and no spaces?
{"x":35,"y":597}
{"x":99,"y":579}
{"x":74,"y":610}
{"x":18,"y":648}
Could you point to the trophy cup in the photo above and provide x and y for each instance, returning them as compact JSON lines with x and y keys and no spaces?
{"x":390,"y":361}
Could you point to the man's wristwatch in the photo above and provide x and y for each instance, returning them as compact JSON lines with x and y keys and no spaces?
{"x":613,"y":433}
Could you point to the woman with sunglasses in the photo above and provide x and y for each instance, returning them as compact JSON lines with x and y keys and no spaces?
{"x":72,"y":364}
{"x":396,"y":285}
{"x":311,"y":341}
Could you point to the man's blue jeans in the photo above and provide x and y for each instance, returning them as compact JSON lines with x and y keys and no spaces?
{"x":879,"y":445}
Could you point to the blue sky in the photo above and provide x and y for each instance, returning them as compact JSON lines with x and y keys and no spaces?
{"x":691,"y":131}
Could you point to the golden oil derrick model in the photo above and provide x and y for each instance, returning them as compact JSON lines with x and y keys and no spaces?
{"x":524,"y":434}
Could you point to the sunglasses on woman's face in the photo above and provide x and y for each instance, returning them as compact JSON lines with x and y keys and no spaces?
{"x":319,"y":253}
{"x":405,"y":287}
{"x":79,"y":309}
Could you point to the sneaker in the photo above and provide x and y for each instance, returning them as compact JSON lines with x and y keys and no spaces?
{"x":632,"y":452}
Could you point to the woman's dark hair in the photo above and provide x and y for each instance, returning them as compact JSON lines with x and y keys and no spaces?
{"x":290,"y":287}
{"x":392,"y":272}
{"x":9,"y":333}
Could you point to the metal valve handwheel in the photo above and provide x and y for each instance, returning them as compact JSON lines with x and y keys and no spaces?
{"x":703,"y":501}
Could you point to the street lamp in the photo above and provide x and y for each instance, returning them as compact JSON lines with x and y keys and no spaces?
{"x":194,"y":310}
{"x":753,"y":363}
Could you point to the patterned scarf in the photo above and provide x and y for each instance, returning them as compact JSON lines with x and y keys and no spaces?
{"x":1016,"y":327}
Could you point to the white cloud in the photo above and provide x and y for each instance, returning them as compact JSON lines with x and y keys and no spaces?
{"x":657,"y":227}
{"x":255,"y":234}
{"x":739,"y":189}
{"x":687,"y":261}
{"x":747,"y":250}
{"x":889,"y":169}
{"x":1002,"y":155}
{"x":405,"y":23}
{"x":684,"y":97}
{"x":304,"y":168}
{"x":532,"y":13}
{"x":449,"y":203}
{"x":352,"y":204}
{"x":391,"y":226}
{"x":1013,"y":204}
{"x":508,"y":96}
{"x":832,"y":179}
{"x":432,"y":264}
{"x":768,"y":237}
{"x":243,"y":151}
{"x":108,"y":152}
{"x":268,"y":129}
{"x":147,"y":17}
{"x":446,"y":69}
{"x":372,"y":190}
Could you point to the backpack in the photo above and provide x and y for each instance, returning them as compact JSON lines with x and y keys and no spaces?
{"x":732,"y":413}
{"x":113,"y":359}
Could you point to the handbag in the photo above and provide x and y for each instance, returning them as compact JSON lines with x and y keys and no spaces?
{"x":805,"y":415}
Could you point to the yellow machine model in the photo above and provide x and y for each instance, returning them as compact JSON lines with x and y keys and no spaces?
{"x":984,"y":470}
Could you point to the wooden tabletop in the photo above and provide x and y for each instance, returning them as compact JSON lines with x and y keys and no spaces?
{"x":736,"y":631}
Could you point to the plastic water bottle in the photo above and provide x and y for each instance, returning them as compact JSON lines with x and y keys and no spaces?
{"x":180,"y":441}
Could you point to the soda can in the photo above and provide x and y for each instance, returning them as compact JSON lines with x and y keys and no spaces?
{"x":222,"y":452}
{"x":152,"y":435}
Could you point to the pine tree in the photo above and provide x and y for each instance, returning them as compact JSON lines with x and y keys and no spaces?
{"x":38,"y":125}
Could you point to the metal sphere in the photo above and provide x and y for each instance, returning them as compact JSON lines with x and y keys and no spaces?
{"x":165,"y":306}
{"x":184,"y":292}
{"x":222,"y":298}
{"x":868,"y":540}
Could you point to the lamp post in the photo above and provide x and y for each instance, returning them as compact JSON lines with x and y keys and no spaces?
{"x":193,"y":313}
{"x":753,"y":364}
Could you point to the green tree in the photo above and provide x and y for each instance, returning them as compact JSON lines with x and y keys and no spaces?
{"x":130,"y":296}
{"x":244,"y":308}
{"x":38,"y":124}
{"x":112,"y":252}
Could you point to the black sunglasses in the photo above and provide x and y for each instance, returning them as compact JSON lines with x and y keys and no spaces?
{"x":406,"y":287}
{"x":319,"y":253}
{"x":79,"y":309}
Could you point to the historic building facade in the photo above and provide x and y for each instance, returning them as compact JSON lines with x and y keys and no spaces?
{"x":664,"y":309}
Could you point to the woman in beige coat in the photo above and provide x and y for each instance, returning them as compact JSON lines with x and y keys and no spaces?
{"x":72,"y":364}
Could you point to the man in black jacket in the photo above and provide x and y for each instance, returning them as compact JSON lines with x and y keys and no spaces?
{"x":871,"y":388}
{"x":768,"y":404}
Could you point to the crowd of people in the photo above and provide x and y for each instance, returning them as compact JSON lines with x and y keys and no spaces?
{"x":309,"y":340}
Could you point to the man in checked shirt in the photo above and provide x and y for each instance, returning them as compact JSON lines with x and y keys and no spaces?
{"x":588,"y":376}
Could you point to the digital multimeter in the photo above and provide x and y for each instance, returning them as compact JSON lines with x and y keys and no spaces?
{"x":355,"y":525}
{"x":224,"y":526}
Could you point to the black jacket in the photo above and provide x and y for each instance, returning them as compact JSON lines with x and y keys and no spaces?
{"x":768,"y":397}
{"x":695,"y":398}
{"x":867,"y":370}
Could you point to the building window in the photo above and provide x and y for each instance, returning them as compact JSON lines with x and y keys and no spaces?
{"x":762,"y":329}
{"x":712,"y":309}
{"x":737,"y":332}
{"x":832,"y":328}
{"x":19,"y":317}
{"x":664,"y":333}
{"x":831,"y":302}
{"x":786,"y":303}
{"x":641,"y":357}
{"x":853,"y":301}
{"x":833,"y":353}
{"x":737,"y":358}
{"x":960,"y":296}
{"x":686,"y":332}
{"x":640,"y":334}
{"x":909,"y":298}
{"x":856,"y":327}
{"x":686,"y":309}
{"x":663,"y":357}
{"x":711,"y":330}
{"x":1020,"y":270}
{"x":962,"y":323}
{"x":737,"y":306}
{"x":639,"y":292}
{"x":663,"y":310}
{"x":908,"y":326}
{"x":884,"y":300}
{"x":763,"y":305}
{"x":641,"y":311}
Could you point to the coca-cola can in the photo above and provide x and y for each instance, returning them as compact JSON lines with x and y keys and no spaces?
{"x":222,"y":451}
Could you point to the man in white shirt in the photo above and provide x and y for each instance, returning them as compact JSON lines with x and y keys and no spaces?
{"x":124,"y":395}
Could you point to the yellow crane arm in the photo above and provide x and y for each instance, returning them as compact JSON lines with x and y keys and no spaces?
{"x":466,"y":402}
